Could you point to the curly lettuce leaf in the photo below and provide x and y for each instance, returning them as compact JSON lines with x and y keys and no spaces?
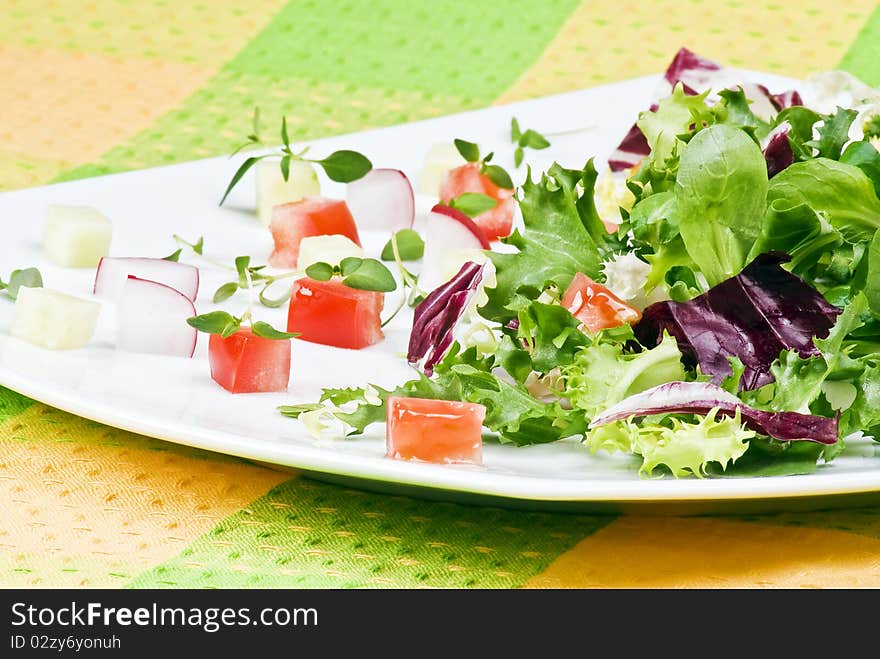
{"x":603,"y":374}
{"x":684,"y":448}
{"x":674,"y":116}
{"x":721,"y":197}
{"x":563,"y":235}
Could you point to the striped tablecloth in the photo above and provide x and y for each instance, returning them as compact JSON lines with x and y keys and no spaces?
{"x":96,"y":86}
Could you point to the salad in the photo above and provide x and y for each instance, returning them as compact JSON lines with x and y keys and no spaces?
{"x":713,"y":299}
{"x":708,"y":302}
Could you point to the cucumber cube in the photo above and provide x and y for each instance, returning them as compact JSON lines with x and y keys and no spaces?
{"x":76,"y":236}
{"x":440,"y":159}
{"x":273,"y":190}
{"x":327,"y":249}
{"x":53,"y":320}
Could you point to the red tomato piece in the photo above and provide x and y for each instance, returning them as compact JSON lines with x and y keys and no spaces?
{"x":443,"y":431}
{"x":331,"y":313}
{"x":245,"y":363}
{"x":597,"y":307}
{"x":495,"y":223}
{"x":312,"y":216}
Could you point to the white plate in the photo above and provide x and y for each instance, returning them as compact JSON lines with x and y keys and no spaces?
{"x":175,"y":399}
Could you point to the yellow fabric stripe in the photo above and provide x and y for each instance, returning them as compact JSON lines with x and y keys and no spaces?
{"x":668,"y":552}
{"x":609,"y":40}
{"x":87,"y":505}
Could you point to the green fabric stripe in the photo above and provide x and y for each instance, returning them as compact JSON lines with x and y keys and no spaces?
{"x":470,"y":49}
{"x":863,"y":57}
{"x":12,"y":404}
{"x":332,"y":68}
{"x":313,"y":535}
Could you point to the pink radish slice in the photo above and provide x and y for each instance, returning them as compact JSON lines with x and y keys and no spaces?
{"x":151,"y":317}
{"x":382,"y":201}
{"x":114,"y":271}
{"x":447,"y":231}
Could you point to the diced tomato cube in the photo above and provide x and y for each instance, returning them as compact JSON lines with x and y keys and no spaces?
{"x":444,"y":431}
{"x":312,"y":216}
{"x":597,"y":307}
{"x":246,"y":363}
{"x":331,"y":313}
{"x":496,"y":222}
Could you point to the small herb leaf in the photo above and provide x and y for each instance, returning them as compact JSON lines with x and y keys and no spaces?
{"x":285,"y":167}
{"x":225,"y":292}
{"x":320,"y":271}
{"x":266,"y":331}
{"x":345,"y":166}
{"x":371,"y":275}
{"x":199,"y":247}
{"x":216,"y":322}
{"x":28,"y":277}
{"x":515,"y":132}
{"x":245,"y":166}
{"x":284,"y":138}
{"x":468,"y":150}
{"x":174,"y":256}
{"x":241,"y":265}
{"x":473,"y":203}
{"x":518,"y":156}
{"x":498,"y":176}
{"x":534,"y":140}
{"x":350,"y":264}
{"x":410,"y":246}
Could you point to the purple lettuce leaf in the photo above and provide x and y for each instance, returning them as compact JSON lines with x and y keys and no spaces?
{"x":754,"y":316}
{"x":784,"y":99}
{"x":435,"y":318}
{"x":703,"y":397}
{"x":694,"y":72}
{"x":630,"y":151}
{"x":777,"y":149}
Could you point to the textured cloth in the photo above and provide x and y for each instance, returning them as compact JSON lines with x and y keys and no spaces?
{"x":113,"y":85}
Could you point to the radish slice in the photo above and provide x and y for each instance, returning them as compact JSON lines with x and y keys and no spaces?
{"x":382,"y":201}
{"x":114,"y":271}
{"x":151,"y":317}
{"x":451,"y":239}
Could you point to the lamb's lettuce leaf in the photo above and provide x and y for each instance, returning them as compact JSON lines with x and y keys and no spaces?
{"x":721,"y":197}
{"x":842,"y":193}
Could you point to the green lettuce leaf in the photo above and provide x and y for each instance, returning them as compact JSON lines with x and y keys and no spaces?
{"x":721,"y":196}
{"x":864,"y":156}
{"x":563,"y":235}
{"x":684,"y":448}
{"x":841,"y":193}
{"x":673,"y":117}
{"x":603,"y":374}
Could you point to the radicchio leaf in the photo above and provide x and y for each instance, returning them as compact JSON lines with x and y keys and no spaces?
{"x":630,"y":151}
{"x":777,"y":149}
{"x":435,"y":318}
{"x":754,"y":316}
{"x":694,"y":72}
{"x":784,"y":99}
{"x":703,"y":397}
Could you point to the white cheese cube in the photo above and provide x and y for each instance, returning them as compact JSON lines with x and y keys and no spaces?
{"x":53,"y":320}
{"x":327,"y":249}
{"x":273,"y":190}
{"x":76,"y":236}
{"x":439,"y":160}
